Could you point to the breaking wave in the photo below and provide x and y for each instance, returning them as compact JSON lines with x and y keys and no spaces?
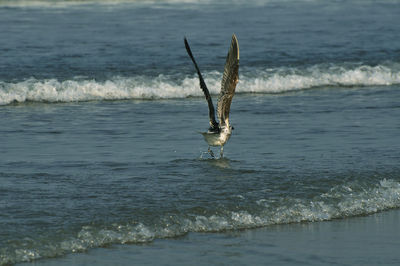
{"x":274,"y":80}
{"x":79,"y":3}
{"x":340,"y":201}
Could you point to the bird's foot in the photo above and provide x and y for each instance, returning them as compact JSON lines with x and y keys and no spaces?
{"x":211,"y":152}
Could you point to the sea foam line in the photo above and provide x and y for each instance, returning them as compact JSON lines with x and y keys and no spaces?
{"x":288,"y":79}
{"x":80,"y":3}
{"x":276,"y":80}
{"x":341,"y":201}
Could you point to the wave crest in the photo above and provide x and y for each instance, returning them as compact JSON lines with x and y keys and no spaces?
{"x":276,"y":80}
{"x":341,"y":201}
{"x":289,"y":79}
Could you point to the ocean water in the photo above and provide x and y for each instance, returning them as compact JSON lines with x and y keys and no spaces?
{"x":100,"y":110}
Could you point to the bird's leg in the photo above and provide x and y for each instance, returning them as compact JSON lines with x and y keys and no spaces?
{"x":210,"y":152}
{"x":222,"y":152}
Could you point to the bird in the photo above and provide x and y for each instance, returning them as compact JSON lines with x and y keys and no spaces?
{"x":219,"y":132}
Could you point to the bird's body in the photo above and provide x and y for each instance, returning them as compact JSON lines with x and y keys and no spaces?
{"x":217,"y":139}
{"x":219,"y":133}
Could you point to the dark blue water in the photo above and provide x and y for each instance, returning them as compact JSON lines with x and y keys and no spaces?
{"x":101,"y":109}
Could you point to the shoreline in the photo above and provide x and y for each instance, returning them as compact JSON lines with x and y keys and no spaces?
{"x":362,"y":240}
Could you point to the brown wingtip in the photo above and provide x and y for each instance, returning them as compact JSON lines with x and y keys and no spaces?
{"x":235,"y":44}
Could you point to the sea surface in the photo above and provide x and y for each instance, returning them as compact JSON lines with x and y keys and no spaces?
{"x":100,"y":114}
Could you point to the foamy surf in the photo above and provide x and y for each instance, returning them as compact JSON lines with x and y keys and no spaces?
{"x":80,"y":3}
{"x":275,"y":80}
{"x":340,"y":202}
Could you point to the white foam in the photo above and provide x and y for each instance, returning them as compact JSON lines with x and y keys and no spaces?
{"x":289,"y":79}
{"x":73,"y":90}
{"x":80,"y":3}
{"x":341,"y":201}
{"x":277,"y":80}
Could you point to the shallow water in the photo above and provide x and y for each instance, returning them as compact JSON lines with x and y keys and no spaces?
{"x":367,"y":240}
{"x":100,"y":113}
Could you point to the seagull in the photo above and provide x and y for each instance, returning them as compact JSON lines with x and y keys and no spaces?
{"x":219,"y":133}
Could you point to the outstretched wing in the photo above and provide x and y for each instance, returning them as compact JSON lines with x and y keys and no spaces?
{"x":211,"y":113}
{"x":228,"y":84}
